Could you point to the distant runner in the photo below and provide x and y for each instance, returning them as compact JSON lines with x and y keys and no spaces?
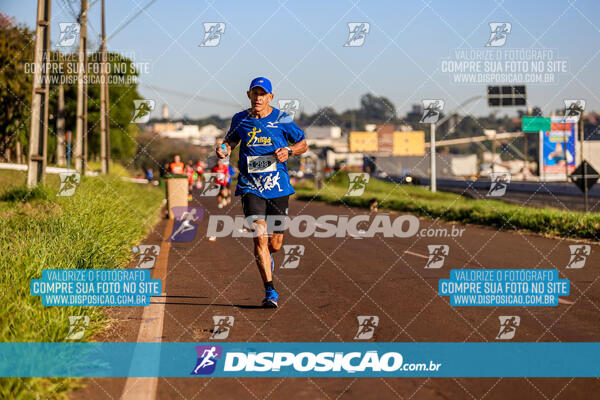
{"x":267,"y":138}
{"x":221,"y":178}
{"x":190,"y":172}
{"x":199,"y":173}
{"x":177,"y":166}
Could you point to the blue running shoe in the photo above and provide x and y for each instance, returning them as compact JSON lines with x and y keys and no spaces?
{"x":271,"y":298}
{"x":272,"y":264}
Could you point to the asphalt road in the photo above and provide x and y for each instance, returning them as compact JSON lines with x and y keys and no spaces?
{"x":537,"y":199}
{"x":338,"y":279}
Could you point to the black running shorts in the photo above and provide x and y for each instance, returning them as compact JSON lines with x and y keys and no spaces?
{"x":257,"y":208}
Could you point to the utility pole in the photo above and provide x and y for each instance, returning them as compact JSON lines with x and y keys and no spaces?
{"x":81,"y":123}
{"x":104,"y":118}
{"x":38,"y":133}
{"x":60,"y":127}
{"x":580,"y":128}
{"x":432,"y":156}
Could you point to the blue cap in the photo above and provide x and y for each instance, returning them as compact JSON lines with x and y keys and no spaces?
{"x":261,"y":82}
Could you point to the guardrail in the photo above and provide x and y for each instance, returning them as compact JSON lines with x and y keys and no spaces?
{"x":556,"y":188}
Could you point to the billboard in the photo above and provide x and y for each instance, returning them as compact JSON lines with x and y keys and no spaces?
{"x":363,"y":142}
{"x":409,"y":143}
{"x":558,"y":147}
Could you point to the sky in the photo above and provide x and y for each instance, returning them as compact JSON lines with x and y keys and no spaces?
{"x":407,"y":54}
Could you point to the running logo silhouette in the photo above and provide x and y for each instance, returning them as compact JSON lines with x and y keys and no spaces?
{"x":143,"y":108}
{"x":431,"y":111}
{"x":148,"y":255}
{"x":508,"y":327}
{"x":186,"y":223}
{"x":213,"y":31}
{"x":68,"y":183}
{"x":437,"y":255}
{"x":211,"y":189}
{"x":289,"y":106}
{"x":69,"y":33}
{"x":222,"y":327}
{"x":358,"y":183}
{"x":207,"y":359}
{"x":292,"y":254}
{"x":499,"y":184}
{"x":358,"y":33}
{"x":366,"y":326}
{"x":499,"y":34}
{"x":579,"y":255}
{"x":574,"y":109}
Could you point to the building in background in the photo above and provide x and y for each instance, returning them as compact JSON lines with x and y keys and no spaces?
{"x":165,"y":112}
{"x":323,"y":132}
{"x":199,"y":136}
{"x":326,"y":137}
{"x":448,"y":165}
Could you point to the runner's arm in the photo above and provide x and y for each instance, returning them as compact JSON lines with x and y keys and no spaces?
{"x":231,"y":139}
{"x":282,"y":153}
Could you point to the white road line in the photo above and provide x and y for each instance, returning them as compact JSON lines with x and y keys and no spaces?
{"x":564,"y":301}
{"x":151,"y":328}
{"x":416,"y":254}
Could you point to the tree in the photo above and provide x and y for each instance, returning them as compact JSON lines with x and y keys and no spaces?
{"x":16,"y":53}
{"x":375,"y":109}
{"x":122,"y":92}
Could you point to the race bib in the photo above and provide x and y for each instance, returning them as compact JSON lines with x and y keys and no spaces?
{"x":262,"y":164}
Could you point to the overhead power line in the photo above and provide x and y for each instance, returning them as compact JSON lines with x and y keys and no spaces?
{"x":188,"y":96}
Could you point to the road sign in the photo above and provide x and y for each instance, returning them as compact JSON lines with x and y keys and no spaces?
{"x":506,"y":96}
{"x":535,"y":124}
{"x":590,"y":174}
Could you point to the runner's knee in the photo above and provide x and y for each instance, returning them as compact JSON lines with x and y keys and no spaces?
{"x":261,"y":243}
{"x":275,"y":242}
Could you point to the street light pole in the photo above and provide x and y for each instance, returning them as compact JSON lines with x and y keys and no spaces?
{"x":433,"y":174}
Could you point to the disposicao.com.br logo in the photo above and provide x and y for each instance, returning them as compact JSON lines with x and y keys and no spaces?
{"x":350,"y":362}
{"x":327,"y":226}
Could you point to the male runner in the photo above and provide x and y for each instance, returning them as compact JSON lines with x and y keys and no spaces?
{"x":267,"y":137}
{"x":177,"y":166}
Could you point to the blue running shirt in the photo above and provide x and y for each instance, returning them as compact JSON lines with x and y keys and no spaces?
{"x":260,"y":173}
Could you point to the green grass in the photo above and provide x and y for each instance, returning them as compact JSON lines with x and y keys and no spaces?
{"x":452,"y":207}
{"x":95,"y":228}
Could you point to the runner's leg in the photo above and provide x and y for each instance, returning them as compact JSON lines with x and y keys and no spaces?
{"x":275,"y":242}
{"x":277,"y":207}
{"x":254,"y":209}
{"x":261,"y":250}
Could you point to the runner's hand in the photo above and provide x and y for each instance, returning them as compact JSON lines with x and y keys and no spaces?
{"x":281,"y":154}
{"x":218,"y":150}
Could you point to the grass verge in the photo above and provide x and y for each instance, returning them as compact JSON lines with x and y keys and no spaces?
{"x":452,"y":207}
{"x":95,"y":228}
